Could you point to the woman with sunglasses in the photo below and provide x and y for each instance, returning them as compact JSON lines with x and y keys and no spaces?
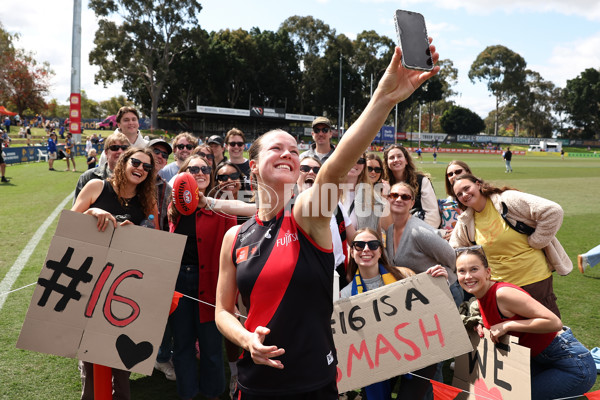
{"x":358,"y":196}
{"x":370,"y":270}
{"x":518,"y":233}
{"x":561,"y":367}
{"x":449,"y":206}
{"x":127,"y":197}
{"x":375,"y":168}
{"x":205,"y":151}
{"x":399,"y":167}
{"x":281,"y":259}
{"x":193,"y":320}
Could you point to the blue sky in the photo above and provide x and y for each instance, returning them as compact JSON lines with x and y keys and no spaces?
{"x":557,"y":38}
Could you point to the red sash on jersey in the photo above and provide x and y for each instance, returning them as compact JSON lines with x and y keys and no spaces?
{"x":272,"y":283}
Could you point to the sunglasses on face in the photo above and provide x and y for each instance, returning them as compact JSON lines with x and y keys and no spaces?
{"x":324,"y":130}
{"x":209,"y":156}
{"x":377,"y":170}
{"x":360,"y":245}
{"x":185,"y":146}
{"x":455,"y":172}
{"x":196,"y":170}
{"x":361,"y":161}
{"x":117,"y":147}
{"x":306,"y":168}
{"x":224,"y":177}
{"x":403,"y":196}
{"x":163,"y":154}
{"x":136,"y":163}
{"x":238,"y":144}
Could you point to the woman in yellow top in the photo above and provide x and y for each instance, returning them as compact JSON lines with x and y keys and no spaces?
{"x":517,"y":232}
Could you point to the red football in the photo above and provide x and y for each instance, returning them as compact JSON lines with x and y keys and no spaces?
{"x":185,"y":193}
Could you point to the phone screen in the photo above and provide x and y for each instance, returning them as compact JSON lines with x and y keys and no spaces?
{"x":413,"y":40}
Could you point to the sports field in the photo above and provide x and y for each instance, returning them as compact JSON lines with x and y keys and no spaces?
{"x":34,"y":193}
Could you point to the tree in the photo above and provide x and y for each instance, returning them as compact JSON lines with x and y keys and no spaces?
{"x":111,"y":106}
{"x":141,"y":49}
{"x":581,"y":101}
{"x":505,"y":72}
{"x":459,"y":120}
{"x":28,"y":82}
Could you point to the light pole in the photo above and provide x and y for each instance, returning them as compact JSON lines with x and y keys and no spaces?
{"x":340,"y":101}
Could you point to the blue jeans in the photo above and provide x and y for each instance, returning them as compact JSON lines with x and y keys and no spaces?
{"x":186,"y":328}
{"x":565,"y":368}
{"x":593,"y":256}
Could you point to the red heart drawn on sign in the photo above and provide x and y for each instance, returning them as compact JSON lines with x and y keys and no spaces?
{"x":482,"y":390}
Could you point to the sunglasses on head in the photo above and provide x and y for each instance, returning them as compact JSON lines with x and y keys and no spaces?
{"x":164,"y":154}
{"x":360,"y":244}
{"x":403,"y":196}
{"x":117,"y":147}
{"x":195,"y":170}
{"x":459,"y":250}
{"x":136,"y":163}
{"x":361,"y":161}
{"x":319,"y":130}
{"x":455,"y":172}
{"x":209,"y":156}
{"x":234,"y":176}
{"x":306,"y":168}
{"x":238,"y":144}
{"x":377,"y":170}
{"x":185,"y":146}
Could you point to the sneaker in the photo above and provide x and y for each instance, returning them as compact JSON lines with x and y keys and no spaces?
{"x":5,"y":180}
{"x":582,"y":263}
{"x":167,"y":368}
{"x":232,"y":386}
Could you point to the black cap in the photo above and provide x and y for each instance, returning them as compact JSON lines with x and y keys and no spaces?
{"x":216,"y":139}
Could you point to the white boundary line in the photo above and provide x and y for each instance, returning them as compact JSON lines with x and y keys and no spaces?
{"x":17,"y":267}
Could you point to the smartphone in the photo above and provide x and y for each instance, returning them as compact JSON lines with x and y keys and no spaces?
{"x":413,"y":40}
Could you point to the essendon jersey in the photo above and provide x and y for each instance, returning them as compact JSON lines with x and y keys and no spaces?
{"x":286,"y":282}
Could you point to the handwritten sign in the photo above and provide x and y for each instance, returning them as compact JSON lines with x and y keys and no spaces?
{"x":396,"y":329}
{"x":494,"y":371}
{"x":103,"y":297}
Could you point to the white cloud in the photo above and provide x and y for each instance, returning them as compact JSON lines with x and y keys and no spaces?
{"x":569,"y":60}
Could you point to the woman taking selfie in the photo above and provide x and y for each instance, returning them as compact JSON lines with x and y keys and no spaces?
{"x":560,"y":366}
{"x":273,"y":258}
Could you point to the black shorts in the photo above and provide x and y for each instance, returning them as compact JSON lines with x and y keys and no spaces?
{"x":1,"y":158}
{"x":327,"y":392}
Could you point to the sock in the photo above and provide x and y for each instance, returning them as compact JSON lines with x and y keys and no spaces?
{"x":233,"y":368}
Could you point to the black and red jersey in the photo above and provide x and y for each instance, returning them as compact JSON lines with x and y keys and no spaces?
{"x":286,"y":282}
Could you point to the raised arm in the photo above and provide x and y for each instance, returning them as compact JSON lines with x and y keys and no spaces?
{"x":396,"y":85}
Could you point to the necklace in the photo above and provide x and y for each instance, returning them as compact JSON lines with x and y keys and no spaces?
{"x":126,"y":201}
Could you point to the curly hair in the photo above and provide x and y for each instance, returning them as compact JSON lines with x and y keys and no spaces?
{"x":383,"y":260}
{"x":173,"y":214}
{"x":486,"y":188}
{"x":146,"y":190}
{"x":466,"y":170}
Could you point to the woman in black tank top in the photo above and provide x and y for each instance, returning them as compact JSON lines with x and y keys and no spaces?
{"x":128,"y":197}
{"x":274,"y":165}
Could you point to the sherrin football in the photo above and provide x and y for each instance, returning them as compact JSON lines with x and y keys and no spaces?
{"x":185,"y":193}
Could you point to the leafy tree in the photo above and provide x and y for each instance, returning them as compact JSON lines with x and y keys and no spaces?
{"x":537,"y":105}
{"x":504,"y":71}
{"x":140,"y":51}
{"x":459,"y":120}
{"x":111,"y":106}
{"x":28,"y":82}
{"x":581,"y":101}
{"x":7,"y":55}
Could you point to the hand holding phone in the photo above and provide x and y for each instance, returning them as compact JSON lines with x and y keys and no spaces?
{"x":413,"y":40}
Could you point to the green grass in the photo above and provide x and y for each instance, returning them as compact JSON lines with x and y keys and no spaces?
{"x":34,"y":193}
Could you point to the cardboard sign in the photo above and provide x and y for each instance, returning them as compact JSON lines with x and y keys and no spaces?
{"x":103,"y":297}
{"x":396,"y":329}
{"x":494,"y":371}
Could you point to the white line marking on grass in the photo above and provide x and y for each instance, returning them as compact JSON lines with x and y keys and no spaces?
{"x":17,"y":267}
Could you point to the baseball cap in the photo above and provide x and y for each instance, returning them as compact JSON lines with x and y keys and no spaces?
{"x":161,"y":141}
{"x":216,"y":139}
{"x":321,"y":120}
